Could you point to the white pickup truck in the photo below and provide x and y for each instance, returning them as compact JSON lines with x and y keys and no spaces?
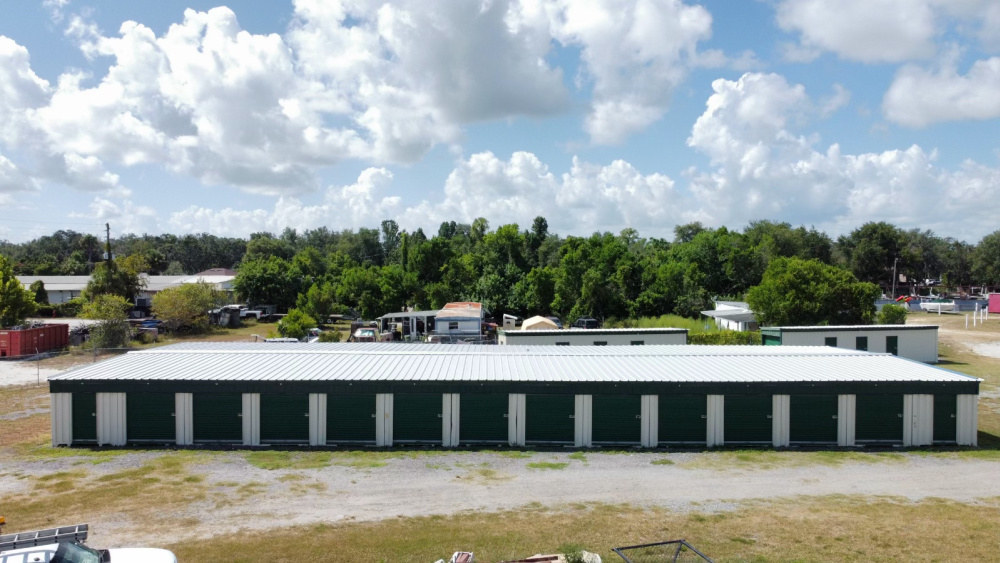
{"x":65,"y":545}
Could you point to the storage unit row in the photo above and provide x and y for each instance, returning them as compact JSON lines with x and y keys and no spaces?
{"x":453,"y":419}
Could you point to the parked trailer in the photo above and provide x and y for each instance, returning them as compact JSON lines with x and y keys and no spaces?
{"x":35,"y":340}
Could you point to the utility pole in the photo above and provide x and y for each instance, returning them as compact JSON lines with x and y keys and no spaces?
{"x":107,"y":243}
{"x":894,"y":260}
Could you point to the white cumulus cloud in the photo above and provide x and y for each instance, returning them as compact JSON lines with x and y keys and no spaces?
{"x":635,"y":53}
{"x":764,"y":167}
{"x":862,"y":30}
{"x":919,"y":97}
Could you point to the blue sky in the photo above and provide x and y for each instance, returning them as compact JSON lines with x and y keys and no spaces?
{"x":599,"y":115}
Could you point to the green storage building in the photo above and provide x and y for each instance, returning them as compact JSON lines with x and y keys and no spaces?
{"x":348,"y":394}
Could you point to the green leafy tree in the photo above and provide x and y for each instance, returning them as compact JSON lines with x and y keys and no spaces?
{"x":113,"y":329}
{"x":796,"y":292}
{"x":117,"y":277}
{"x":264,"y":246}
{"x":892,"y":315}
{"x":319,"y":302}
{"x":175,"y":268}
{"x":871,"y":250}
{"x":360,"y":288}
{"x":38,"y":290}
{"x":268,"y":281}
{"x":986,"y":260}
{"x":16,"y":303}
{"x":536,"y":291}
{"x":295,"y":324}
{"x":186,"y":305}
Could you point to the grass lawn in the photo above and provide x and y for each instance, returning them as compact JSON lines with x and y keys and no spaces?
{"x":833,"y":528}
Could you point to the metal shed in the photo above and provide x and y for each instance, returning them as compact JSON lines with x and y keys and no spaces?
{"x":916,"y":342}
{"x":450,"y":395}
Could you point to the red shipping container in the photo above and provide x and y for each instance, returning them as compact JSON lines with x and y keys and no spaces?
{"x":33,"y":340}
{"x":994,"y":303}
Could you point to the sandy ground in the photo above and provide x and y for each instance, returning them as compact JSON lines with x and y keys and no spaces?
{"x":456,"y":482}
{"x":21,"y":372}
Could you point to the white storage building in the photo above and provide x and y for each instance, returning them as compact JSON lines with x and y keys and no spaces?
{"x":595,"y":337}
{"x":452,"y":395}
{"x":915,"y":342}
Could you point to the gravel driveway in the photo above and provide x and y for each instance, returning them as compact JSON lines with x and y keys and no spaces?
{"x":455,"y":482}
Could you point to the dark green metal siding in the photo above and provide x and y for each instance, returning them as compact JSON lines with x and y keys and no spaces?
{"x":84,"y":417}
{"x":217,"y":417}
{"x":830,"y":341}
{"x":879,"y":418}
{"x":417,"y":418}
{"x":748,"y":418}
{"x":550,"y":418}
{"x":483,"y":418}
{"x":150,"y":417}
{"x":284,"y":418}
{"x":945,"y":418}
{"x":350,"y":418}
{"x":892,"y":345}
{"x":771,"y":339}
{"x":813,"y":418}
{"x":861,"y":343}
{"x":616,"y":419}
{"x":682,"y":418}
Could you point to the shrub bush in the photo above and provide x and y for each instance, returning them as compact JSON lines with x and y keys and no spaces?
{"x":330,"y":336}
{"x":892,"y":315}
{"x":726,"y":337}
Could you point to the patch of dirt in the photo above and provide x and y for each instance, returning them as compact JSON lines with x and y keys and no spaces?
{"x":242,"y":496}
{"x":24,"y":372}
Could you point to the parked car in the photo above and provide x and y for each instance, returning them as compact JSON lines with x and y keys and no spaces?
{"x":556,"y":320}
{"x":251,"y":314}
{"x":586,"y":322}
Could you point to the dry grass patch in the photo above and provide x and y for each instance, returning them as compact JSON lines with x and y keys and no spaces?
{"x":28,"y":430}
{"x":811,"y":529}
{"x":770,"y":459}
{"x":484,"y":476}
{"x":15,"y":399}
{"x":276,"y":459}
{"x":140,"y":494}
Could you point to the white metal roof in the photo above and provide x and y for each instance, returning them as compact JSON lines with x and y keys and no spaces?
{"x":448,"y":362}
{"x":56,"y":283}
{"x":835,"y":328}
{"x":737,"y":315}
{"x":584,"y":331}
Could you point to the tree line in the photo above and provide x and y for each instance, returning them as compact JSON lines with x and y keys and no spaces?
{"x":522,"y":271}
